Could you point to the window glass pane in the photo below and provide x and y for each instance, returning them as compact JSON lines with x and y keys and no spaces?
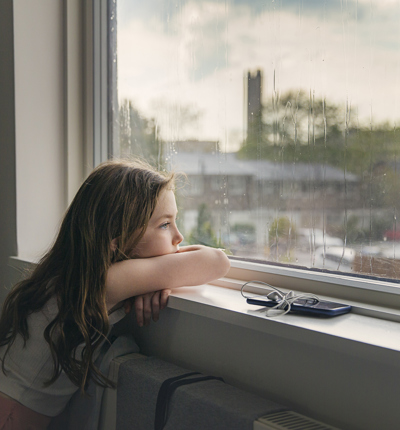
{"x":283,"y":114}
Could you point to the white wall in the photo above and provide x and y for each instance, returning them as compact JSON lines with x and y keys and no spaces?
{"x":32,"y":178}
{"x":39,"y":123}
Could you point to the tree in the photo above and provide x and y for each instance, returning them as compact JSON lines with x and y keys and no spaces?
{"x":297,"y":127}
{"x":289,"y":125}
{"x":203,"y":233}
{"x":281,"y":238}
{"x":138,"y":135}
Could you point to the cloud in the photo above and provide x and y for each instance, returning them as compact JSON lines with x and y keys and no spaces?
{"x":198,"y":52}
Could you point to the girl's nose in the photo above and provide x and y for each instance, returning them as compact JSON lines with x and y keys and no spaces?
{"x":178,"y":237}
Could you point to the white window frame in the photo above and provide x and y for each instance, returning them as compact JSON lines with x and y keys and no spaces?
{"x":87,"y":132}
{"x":75,"y":156}
{"x":369,"y":291}
{"x":98,"y":76}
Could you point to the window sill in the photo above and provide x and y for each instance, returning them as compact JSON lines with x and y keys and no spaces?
{"x":228,"y":305}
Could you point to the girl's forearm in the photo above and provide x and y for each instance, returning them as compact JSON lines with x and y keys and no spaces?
{"x":192,"y":265}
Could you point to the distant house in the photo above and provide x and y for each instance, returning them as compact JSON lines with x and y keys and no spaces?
{"x":216,"y":178}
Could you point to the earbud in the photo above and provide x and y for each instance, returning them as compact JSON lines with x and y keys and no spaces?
{"x":275,"y":296}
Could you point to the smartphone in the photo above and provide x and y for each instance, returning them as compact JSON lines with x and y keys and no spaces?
{"x":320,"y":308}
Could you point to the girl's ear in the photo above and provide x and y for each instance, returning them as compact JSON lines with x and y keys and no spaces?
{"x":114,"y":244}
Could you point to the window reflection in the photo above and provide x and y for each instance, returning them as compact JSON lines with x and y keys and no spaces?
{"x":284,"y":117}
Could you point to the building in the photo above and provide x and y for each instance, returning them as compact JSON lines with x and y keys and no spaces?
{"x":255,"y":192}
{"x":253,"y":98}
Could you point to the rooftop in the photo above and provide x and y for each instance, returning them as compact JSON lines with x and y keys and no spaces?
{"x":216,"y":163}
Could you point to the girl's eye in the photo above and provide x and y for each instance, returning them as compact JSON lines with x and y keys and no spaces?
{"x":165,"y":225}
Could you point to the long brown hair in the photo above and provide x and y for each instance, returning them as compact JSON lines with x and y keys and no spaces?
{"x":115,"y":202}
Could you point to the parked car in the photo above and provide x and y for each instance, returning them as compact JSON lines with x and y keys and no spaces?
{"x":391,"y":235}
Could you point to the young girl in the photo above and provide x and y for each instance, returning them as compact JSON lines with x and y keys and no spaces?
{"x":118,"y":239}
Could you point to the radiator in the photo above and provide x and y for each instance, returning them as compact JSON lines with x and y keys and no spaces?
{"x":289,"y":420}
{"x":130,"y":408}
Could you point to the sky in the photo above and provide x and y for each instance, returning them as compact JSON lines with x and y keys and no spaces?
{"x":179,"y":56}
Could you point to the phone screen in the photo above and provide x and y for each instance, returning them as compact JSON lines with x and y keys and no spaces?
{"x":318,"y":304}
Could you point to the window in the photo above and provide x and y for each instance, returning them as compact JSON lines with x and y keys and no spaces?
{"x":284,"y":115}
{"x":237,"y":185}
{"x":195,"y":186}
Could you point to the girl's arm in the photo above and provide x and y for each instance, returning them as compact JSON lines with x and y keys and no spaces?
{"x":192,"y":265}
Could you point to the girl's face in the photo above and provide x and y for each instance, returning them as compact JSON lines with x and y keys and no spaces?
{"x":162,"y":235}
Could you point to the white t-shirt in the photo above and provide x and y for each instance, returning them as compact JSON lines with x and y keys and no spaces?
{"x":29,"y":367}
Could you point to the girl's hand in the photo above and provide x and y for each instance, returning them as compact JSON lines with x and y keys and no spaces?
{"x":149,"y":305}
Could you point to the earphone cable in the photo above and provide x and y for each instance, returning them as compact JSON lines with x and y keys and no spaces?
{"x":285,"y":300}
